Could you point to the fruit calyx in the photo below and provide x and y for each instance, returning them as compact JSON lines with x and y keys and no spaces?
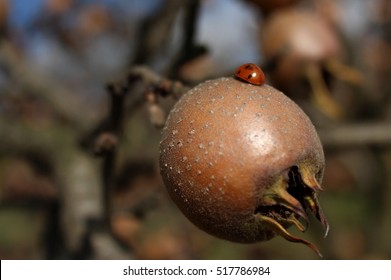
{"x":286,"y":203}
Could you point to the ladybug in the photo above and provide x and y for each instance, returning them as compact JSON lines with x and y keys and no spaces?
{"x":250,"y":73}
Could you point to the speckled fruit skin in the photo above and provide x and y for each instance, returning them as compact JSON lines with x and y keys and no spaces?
{"x":224,"y":144}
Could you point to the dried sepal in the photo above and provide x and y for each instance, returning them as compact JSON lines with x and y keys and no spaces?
{"x":287,"y":201}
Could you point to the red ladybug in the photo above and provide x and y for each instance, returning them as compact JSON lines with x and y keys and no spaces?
{"x":250,"y":73}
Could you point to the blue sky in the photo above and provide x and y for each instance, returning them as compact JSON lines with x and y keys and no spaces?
{"x":23,"y":12}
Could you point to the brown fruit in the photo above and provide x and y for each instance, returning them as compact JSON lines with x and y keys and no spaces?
{"x":242,"y":161}
{"x":303,"y":50}
{"x":302,"y":38}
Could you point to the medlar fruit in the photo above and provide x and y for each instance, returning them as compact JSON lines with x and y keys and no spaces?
{"x":243,"y":162}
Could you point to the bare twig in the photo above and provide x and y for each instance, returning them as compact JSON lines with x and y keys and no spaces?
{"x":155,"y":31}
{"x":156,"y":86}
{"x":189,"y":49}
{"x":105,"y":142}
{"x":114,"y":125}
{"x":163,"y":86}
{"x":104,"y":136}
{"x":356,"y":135}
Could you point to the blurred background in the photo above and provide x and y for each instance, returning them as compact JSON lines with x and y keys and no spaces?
{"x":78,"y":181}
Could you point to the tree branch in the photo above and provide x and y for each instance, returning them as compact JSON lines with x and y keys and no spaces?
{"x":356,"y":135}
